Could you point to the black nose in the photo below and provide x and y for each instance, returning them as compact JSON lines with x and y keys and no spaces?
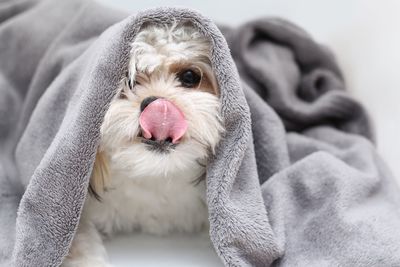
{"x":147,"y":102}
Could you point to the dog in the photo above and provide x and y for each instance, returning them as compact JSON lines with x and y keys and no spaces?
{"x":157,"y":136}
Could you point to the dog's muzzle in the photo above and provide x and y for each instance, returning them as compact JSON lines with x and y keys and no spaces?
{"x":162,"y":120}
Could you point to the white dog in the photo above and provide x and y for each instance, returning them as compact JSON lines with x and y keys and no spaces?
{"x":155,"y":140}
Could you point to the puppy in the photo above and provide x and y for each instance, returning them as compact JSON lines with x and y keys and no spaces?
{"x":156,"y":137}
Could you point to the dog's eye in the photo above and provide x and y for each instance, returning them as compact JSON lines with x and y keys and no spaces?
{"x":189,"y":78}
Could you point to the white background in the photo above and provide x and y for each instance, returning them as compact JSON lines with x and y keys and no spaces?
{"x":364,"y":34}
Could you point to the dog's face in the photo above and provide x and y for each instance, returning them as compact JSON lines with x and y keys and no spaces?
{"x":165,"y":118}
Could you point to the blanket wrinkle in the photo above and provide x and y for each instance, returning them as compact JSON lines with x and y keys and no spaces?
{"x":295,"y":74}
{"x":295,"y":181}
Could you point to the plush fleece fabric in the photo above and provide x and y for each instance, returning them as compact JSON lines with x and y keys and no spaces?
{"x":296,"y":180}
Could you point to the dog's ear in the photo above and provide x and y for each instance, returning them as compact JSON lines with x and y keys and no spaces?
{"x":100,"y":175}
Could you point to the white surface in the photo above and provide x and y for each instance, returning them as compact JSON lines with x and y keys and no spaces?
{"x":150,"y":251}
{"x":365,"y":36}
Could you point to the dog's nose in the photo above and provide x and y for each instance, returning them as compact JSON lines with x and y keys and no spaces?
{"x":147,"y":101}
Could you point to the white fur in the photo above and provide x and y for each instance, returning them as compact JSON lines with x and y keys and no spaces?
{"x":147,"y":190}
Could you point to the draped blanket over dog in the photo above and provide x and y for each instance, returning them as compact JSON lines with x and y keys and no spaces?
{"x":295,"y":181}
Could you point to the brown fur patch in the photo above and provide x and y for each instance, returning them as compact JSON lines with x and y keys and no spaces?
{"x":100,"y":175}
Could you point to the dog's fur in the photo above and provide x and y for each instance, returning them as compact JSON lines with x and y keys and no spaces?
{"x":146,"y":185}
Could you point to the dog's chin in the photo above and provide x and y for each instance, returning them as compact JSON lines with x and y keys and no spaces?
{"x":164,"y":146}
{"x":147,"y":158}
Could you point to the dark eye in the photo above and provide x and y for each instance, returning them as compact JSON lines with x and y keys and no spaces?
{"x":189,"y":78}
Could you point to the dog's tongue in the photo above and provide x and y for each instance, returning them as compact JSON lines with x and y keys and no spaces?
{"x":161,"y":120}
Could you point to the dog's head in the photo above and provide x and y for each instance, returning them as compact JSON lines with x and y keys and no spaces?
{"x":165,"y":118}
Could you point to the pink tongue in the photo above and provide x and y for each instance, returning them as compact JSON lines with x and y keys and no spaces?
{"x":161,"y":120}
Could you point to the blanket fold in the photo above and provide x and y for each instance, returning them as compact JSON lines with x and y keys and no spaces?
{"x":296,"y":180}
{"x":299,"y":78}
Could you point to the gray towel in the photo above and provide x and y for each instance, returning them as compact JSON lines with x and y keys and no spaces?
{"x":296,"y":180}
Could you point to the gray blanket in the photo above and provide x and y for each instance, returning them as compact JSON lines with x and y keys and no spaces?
{"x":296,"y":180}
